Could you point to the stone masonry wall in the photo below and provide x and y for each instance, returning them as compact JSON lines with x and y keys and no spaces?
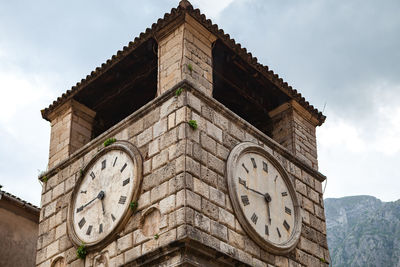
{"x":186,"y":54}
{"x":71,"y":128}
{"x":159,"y":134}
{"x":297,"y":134}
{"x":210,"y":214}
{"x":184,"y":178}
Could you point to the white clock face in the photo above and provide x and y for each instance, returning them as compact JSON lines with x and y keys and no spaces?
{"x":263,"y":198}
{"x":103,"y":196}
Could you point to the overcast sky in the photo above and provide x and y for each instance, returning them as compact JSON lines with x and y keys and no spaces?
{"x":343,"y":56}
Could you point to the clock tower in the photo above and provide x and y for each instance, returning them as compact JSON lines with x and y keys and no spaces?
{"x":182,"y":150}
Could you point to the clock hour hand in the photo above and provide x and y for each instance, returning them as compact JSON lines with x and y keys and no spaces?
{"x":99,"y":196}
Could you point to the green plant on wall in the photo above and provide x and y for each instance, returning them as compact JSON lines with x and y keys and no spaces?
{"x":109,"y":141}
{"x":178,"y":91}
{"x":193,"y":124}
{"x":45,"y":179}
{"x":81,"y":251}
{"x":156,"y":236}
{"x":133,"y":205}
{"x":190,"y":67}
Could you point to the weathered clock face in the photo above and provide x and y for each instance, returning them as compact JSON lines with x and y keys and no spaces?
{"x":264,"y":198}
{"x":102,"y":197}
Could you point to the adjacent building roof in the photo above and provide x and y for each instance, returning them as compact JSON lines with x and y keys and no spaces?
{"x":183,"y":8}
{"x":19,"y":202}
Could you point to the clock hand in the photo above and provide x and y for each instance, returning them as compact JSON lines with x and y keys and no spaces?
{"x":255,"y":191}
{"x":268,"y":200}
{"x":99,"y":196}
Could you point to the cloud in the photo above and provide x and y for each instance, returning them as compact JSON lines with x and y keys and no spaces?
{"x":211,"y":8}
{"x":344,"y":54}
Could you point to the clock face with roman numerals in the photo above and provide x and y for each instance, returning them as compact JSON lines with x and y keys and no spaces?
{"x":102,"y":195}
{"x":263,"y":198}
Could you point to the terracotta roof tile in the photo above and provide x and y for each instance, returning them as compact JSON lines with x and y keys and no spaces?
{"x":186,"y":7}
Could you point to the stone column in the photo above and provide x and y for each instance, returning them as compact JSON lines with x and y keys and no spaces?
{"x":71,"y":128}
{"x":185,"y":52}
{"x":294,"y":128}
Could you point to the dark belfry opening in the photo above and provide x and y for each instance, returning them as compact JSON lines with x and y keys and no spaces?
{"x":123,"y":89}
{"x":243,"y":89}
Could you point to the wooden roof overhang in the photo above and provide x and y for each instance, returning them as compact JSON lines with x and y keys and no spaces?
{"x":108,"y":71}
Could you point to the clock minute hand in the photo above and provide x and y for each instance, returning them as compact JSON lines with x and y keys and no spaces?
{"x":255,"y":191}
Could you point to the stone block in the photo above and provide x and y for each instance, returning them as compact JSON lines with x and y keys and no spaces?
{"x":61,"y":230}
{"x":209,"y":209}
{"x":214,"y":131}
{"x":217,"y":196}
{"x":145,"y":137}
{"x":167,"y":204}
{"x":313,"y":195}
{"x":226,"y":218}
{"x":133,"y":253}
{"x":201,"y":221}
{"x":124,"y":242}
{"x":193,"y":200}
{"x":208,"y":143}
{"x":52,"y":249}
{"x":201,"y":188}
{"x":216,"y":164}
{"x":301,"y":187}
{"x":235,"y":239}
{"x":149,"y":246}
{"x":219,"y":230}
{"x":160,"y":159}
{"x":160,"y":128}
{"x":159,"y":192}
{"x":154,"y":147}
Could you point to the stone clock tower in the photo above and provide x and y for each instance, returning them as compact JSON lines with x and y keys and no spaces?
{"x":182,"y":150}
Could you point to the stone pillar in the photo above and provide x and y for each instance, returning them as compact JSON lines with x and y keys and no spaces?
{"x":185,"y":52}
{"x":71,"y":128}
{"x":294,"y":128}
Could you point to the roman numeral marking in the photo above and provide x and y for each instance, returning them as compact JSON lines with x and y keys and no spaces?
{"x":100,"y":228}
{"x":115,"y":161}
{"x":92,"y":175}
{"x":288,"y":211}
{"x":112,"y":217}
{"x":254,"y":218}
{"x":265,"y":166}
{"x":242,"y":182}
{"x":245,"y":168}
{"x":82,"y":223}
{"x":254,"y":163}
{"x":83,"y":192}
{"x":123,"y":167}
{"x":125,"y":182}
{"x":286,"y":225}
{"x":103,"y":164}
{"x":79,"y":209}
{"x":266,"y":230}
{"x":89,"y":230}
{"x":245,"y":200}
{"x":276,"y":177}
{"x":122,"y":200}
{"x":279,"y":233}
{"x":284,"y":194}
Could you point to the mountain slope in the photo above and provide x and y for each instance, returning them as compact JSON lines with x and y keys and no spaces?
{"x":363,"y":231}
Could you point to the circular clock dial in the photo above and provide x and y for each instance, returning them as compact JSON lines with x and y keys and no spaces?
{"x":102,"y":197}
{"x":264,"y":198}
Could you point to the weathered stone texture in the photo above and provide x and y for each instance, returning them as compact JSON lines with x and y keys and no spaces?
{"x":71,"y":128}
{"x":186,"y":54}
